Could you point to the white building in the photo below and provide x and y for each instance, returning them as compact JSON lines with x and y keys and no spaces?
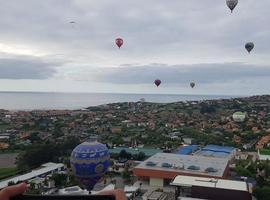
{"x":45,"y":169}
{"x":263,"y":156}
{"x":210,"y":188}
{"x":74,"y":190}
{"x":161,"y":168}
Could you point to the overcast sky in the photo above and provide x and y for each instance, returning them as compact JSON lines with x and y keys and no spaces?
{"x":177,"y":41}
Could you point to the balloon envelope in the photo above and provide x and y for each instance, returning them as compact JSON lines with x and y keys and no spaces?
{"x":231,"y":4}
{"x":89,"y":162}
{"x":192,"y":84}
{"x":119,"y":42}
{"x":249,"y":46}
{"x":157,"y":82}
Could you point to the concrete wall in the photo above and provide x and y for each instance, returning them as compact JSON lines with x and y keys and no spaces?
{"x":156,"y":182}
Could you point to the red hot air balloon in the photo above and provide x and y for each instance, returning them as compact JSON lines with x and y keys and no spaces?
{"x":119,"y":42}
{"x":157,"y":82}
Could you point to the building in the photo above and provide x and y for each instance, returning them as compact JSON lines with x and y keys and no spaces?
{"x":264,"y":154}
{"x":161,"y":168}
{"x":157,"y":196}
{"x":40,"y":183}
{"x":189,"y":141}
{"x":74,"y":190}
{"x":4,"y":145}
{"x":45,"y":169}
{"x":116,"y":130}
{"x":131,"y":191}
{"x":4,"y":138}
{"x":209,"y":188}
{"x":187,"y":150}
{"x":217,"y":151}
{"x":263,"y":142}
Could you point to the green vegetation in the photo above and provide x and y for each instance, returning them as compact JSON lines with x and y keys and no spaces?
{"x":260,"y":171}
{"x":7,"y":172}
{"x":36,"y":155}
{"x":126,"y":175}
{"x":262,"y":193}
{"x":60,"y":179}
{"x":5,"y":126}
{"x":8,"y":151}
{"x":265,"y":151}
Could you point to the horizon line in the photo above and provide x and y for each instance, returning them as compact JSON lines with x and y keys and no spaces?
{"x":73,"y":92}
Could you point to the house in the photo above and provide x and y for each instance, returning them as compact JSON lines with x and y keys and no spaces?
{"x":209,"y":188}
{"x":188,"y":140}
{"x":116,"y":129}
{"x":4,"y":145}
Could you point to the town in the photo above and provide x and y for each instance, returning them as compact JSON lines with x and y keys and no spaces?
{"x":146,"y":142}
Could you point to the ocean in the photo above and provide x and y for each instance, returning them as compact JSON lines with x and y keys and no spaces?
{"x":51,"y":100}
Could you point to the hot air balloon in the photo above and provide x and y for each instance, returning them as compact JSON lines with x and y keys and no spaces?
{"x":249,"y":46}
{"x":119,"y":42}
{"x":231,"y":4}
{"x":192,"y":84}
{"x":72,"y":23}
{"x":239,"y":116}
{"x":157,"y":82}
{"x":89,"y":162}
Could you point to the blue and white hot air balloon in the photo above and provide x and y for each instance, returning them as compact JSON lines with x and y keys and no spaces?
{"x":89,"y":162}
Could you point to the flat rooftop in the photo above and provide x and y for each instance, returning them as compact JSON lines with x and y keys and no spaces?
{"x":200,"y":165}
{"x":45,"y":168}
{"x":216,"y":151}
{"x":210,"y":183}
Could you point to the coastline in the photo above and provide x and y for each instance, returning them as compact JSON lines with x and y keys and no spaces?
{"x":27,"y":101}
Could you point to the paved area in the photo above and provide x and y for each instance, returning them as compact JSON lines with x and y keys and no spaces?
{"x":8,"y":160}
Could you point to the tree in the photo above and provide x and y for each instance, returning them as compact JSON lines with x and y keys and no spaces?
{"x":140,"y":156}
{"x":205,"y":108}
{"x":32,"y":185}
{"x":11,"y":183}
{"x":59,"y":179}
{"x":262,"y":193}
{"x":72,"y":180}
{"x":111,"y":163}
{"x":37,"y":155}
{"x":124,"y":154}
{"x":34,"y":137}
{"x":241,"y":171}
{"x":126,"y":174}
{"x":46,"y":182}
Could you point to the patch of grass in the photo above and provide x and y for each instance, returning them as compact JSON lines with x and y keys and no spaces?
{"x":7,"y":172}
{"x":265,"y":151}
{"x":5,"y":126}
{"x":11,"y":151}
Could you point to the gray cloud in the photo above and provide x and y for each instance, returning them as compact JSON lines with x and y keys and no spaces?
{"x":26,"y":68}
{"x":172,"y":32}
{"x":157,"y":25}
{"x":179,"y":74}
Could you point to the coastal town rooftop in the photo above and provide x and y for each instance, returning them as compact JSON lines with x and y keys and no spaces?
{"x":175,"y":164}
{"x":188,"y":181}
